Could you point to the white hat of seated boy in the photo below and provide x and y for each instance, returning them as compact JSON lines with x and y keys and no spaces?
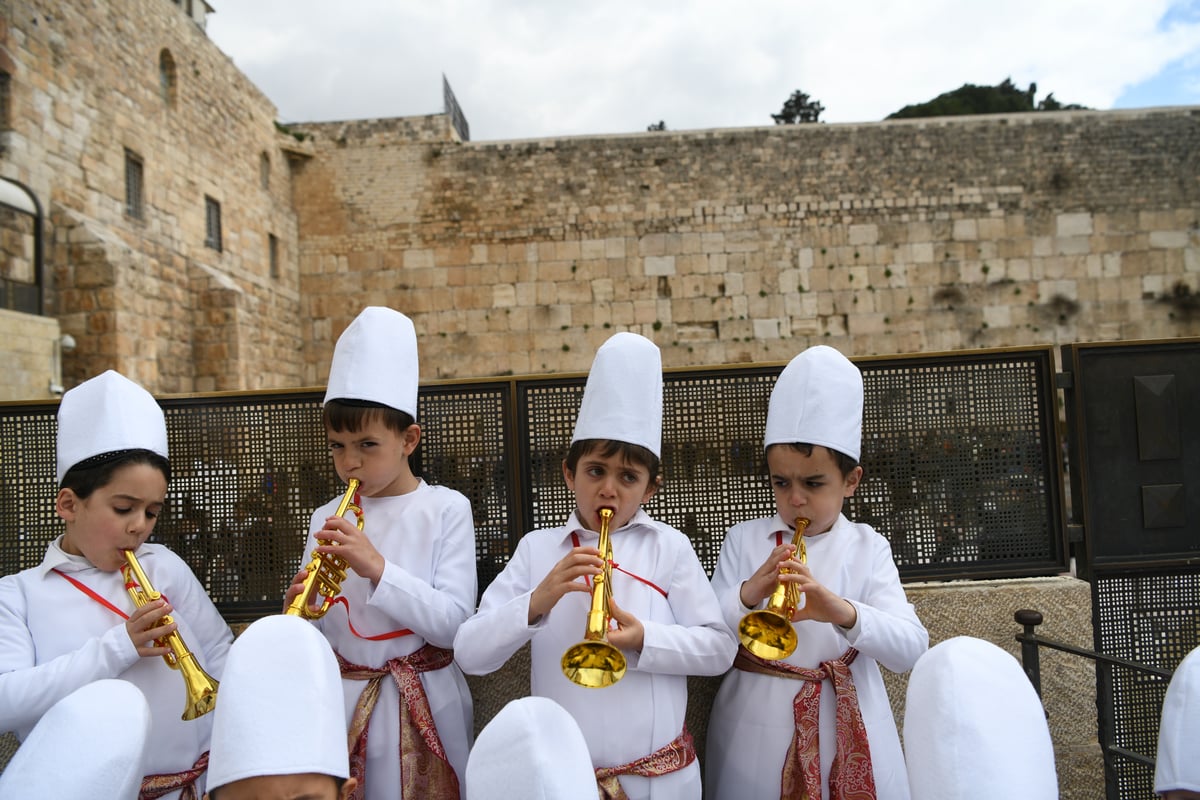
{"x":375,"y":359}
{"x":105,"y":414}
{"x":532,"y":749}
{"x":623,"y":397}
{"x":1177,"y":766}
{"x":974,"y":728}
{"x":817,"y":399}
{"x":281,"y":709}
{"x":90,"y":744}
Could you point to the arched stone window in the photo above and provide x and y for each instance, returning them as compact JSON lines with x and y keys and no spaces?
{"x":167,"y":77}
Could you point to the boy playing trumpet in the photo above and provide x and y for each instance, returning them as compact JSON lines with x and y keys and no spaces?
{"x":815,"y":723}
{"x":668,"y":624}
{"x":411,"y":573}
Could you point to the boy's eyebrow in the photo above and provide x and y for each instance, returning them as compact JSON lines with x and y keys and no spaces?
{"x":135,"y":499}
{"x":632,"y":466}
{"x":816,"y":476}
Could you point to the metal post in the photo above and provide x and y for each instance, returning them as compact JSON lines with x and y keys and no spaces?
{"x":1030,"y":619}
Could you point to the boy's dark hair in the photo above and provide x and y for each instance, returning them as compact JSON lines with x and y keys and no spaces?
{"x":845,"y":463}
{"x":629,"y":453}
{"x":337,"y":782}
{"x":353,"y":415}
{"x":92,"y":473}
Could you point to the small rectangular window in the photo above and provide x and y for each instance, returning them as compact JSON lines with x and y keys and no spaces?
{"x":273,"y":254}
{"x":212,"y":223}
{"x":133,"y":185}
{"x":5,"y":101}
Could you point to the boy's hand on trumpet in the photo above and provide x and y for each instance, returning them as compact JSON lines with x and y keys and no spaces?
{"x":629,"y":634}
{"x":296,"y":588}
{"x":818,"y":603}
{"x":144,"y":630}
{"x":353,"y":546}
{"x":564,"y":577}
{"x":762,"y":583}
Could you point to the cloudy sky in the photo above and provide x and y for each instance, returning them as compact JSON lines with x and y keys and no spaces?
{"x":541,"y":68}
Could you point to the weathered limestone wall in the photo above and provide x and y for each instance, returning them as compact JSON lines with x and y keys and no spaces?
{"x":147,"y":296}
{"x":30,"y":359}
{"x":730,"y":246}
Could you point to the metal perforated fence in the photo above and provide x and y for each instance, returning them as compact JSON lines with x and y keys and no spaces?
{"x":960,"y":457}
{"x":1150,"y":619}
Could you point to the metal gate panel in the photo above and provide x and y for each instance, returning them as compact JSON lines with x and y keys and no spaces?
{"x":1134,"y":426}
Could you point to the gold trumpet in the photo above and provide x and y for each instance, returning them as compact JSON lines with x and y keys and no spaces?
{"x":768,"y":632}
{"x":326,"y":571}
{"x":594,"y":663}
{"x":201,"y":688}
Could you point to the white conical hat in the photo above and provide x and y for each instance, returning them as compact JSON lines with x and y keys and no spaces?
{"x":1177,"y":766}
{"x":974,"y":728}
{"x":532,"y":749}
{"x":107,"y":414}
{"x":623,"y":397}
{"x":375,"y":359}
{"x":280,"y":708}
{"x":90,"y":744}
{"x":818,"y":399}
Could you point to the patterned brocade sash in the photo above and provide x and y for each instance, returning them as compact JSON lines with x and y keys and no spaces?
{"x":161,"y":785}
{"x":851,"y":776}
{"x":424,"y":770}
{"x":669,"y":758}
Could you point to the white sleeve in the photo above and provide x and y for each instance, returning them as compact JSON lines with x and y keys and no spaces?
{"x":435,"y":612}
{"x":728,"y":577}
{"x":501,"y":626}
{"x":191,"y":606}
{"x":887,"y":628}
{"x":698,"y":642}
{"x":27,"y":689}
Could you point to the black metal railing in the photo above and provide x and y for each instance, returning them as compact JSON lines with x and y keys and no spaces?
{"x":1121,"y":684}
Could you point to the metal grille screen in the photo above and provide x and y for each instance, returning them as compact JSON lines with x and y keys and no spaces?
{"x":959,"y":455}
{"x":959,"y":462}
{"x":1150,"y":619}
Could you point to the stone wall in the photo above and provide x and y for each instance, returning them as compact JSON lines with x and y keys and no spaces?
{"x":724,"y":246}
{"x":91,"y":81}
{"x":731,"y":246}
{"x":30,"y":358}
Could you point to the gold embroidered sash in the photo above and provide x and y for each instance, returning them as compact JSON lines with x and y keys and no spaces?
{"x":161,"y":785}
{"x":851,"y":776}
{"x":671,"y":757}
{"x":425,"y":771}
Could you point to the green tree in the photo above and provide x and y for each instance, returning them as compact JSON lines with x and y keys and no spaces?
{"x":657,"y":126}
{"x":1004,"y":98}
{"x":797,"y":109}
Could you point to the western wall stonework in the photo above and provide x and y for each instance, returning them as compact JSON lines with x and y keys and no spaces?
{"x":742,"y":245}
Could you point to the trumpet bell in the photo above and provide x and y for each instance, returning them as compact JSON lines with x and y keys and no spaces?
{"x":201,"y":690}
{"x":767,"y":635}
{"x":593,"y":665}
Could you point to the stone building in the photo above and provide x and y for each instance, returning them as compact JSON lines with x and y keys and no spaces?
{"x":195,"y":244}
{"x":169,"y":235}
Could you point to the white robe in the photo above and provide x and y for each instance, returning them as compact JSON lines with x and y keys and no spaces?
{"x":751,"y":723}
{"x":429,"y":586}
{"x":684,"y":635}
{"x":55,"y":639}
